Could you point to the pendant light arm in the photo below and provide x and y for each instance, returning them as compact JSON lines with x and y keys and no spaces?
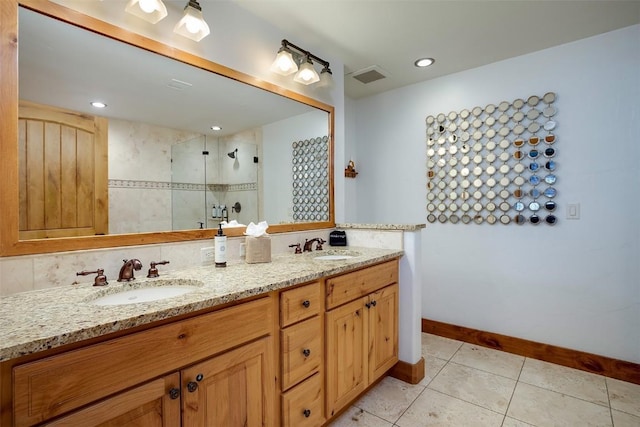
{"x":288,"y":44}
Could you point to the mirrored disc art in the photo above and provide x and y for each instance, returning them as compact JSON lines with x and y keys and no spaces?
{"x":507,"y":149}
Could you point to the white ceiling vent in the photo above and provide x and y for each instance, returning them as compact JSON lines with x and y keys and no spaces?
{"x":369,"y":74}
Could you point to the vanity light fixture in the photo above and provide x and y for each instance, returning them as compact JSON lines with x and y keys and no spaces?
{"x":150,"y":10}
{"x":291,"y":58}
{"x":326,"y":78}
{"x":424,"y":62}
{"x":306,"y":73}
{"x":284,"y":63}
{"x":192,"y":25}
{"x":98,"y":104}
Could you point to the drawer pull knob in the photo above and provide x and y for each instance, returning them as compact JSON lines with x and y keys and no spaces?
{"x":192,"y":386}
{"x":174,"y":393}
{"x":199,"y":377}
{"x":306,"y":413}
{"x":306,"y":303}
{"x":306,"y":352}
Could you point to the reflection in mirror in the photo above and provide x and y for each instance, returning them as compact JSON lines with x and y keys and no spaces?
{"x":156,"y":97}
{"x":167,"y":169}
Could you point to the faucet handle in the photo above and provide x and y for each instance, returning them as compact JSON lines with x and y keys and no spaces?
{"x":153,"y":271}
{"x":320,"y":243}
{"x":297,"y":246}
{"x":100,"y":279}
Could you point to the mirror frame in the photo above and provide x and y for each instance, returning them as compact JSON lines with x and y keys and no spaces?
{"x":10,"y":244}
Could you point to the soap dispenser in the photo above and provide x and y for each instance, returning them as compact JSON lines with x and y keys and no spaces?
{"x":220,"y":244}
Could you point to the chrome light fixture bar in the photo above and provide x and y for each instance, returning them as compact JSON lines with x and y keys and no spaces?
{"x":192,"y":25}
{"x":152,"y":11}
{"x":291,"y":59}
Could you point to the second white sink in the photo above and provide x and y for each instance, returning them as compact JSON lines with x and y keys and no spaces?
{"x":333,"y":257}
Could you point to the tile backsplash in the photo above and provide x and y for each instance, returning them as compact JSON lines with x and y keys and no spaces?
{"x":32,"y":272}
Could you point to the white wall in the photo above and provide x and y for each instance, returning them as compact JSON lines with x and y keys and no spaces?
{"x":575,"y":285}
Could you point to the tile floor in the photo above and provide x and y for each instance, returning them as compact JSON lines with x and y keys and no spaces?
{"x":470,"y":386}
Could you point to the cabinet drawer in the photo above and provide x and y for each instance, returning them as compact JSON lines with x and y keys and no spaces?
{"x":299,"y":303}
{"x":302,"y":405}
{"x":347,"y":287}
{"x":296,"y":342}
{"x":55,"y":385}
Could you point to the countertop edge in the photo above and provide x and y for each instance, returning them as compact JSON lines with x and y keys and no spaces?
{"x":400,"y":227}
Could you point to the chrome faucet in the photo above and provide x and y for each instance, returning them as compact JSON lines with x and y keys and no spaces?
{"x":309,"y":243}
{"x":126,"y":272}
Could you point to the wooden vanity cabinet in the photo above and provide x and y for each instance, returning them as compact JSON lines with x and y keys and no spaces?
{"x":217,"y":367}
{"x":333,"y":338}
{"x":302,"y":356}
{"x":361,"y":331}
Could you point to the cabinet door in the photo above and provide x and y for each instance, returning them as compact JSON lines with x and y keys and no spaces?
{"x":383,"y":331}
{"x":236,"y":388}
{"x":346,"y":354}
{"x":155,"y":404}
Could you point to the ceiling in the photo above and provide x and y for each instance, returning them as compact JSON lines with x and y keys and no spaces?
{"x":460,"y":35}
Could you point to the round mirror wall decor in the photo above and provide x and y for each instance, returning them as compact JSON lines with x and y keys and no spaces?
{"x":498,"y":157}
{"x":314,"y":179}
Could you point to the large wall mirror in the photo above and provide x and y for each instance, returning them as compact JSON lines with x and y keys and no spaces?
{"x":148,"y":168}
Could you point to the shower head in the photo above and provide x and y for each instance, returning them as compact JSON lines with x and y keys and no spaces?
{"x":233,"y":154}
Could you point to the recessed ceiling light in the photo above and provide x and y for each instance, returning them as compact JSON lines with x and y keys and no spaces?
{"x":98,"y":104}
{"x":424,"y":62}
{"x":216,"y":127}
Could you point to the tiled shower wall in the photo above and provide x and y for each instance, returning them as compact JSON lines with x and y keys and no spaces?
{"x":139,"y":176}
{"x":147,"y":192}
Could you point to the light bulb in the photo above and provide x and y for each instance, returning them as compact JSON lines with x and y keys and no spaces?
{"x":147,"y":6}
{"x":306,"y":75}
{"x":284,"y":64}
{"x":192,"y":24}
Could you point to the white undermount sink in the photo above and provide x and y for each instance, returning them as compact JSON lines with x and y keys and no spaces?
{"x":145,"y":294}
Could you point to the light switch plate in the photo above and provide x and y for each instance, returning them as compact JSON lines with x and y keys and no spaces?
{"x":573,"y":211}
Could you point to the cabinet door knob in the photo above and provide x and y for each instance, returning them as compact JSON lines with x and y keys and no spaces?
{"x":174,"y":393}
{"x":306,"y":413}
{"x":367,"y":305}
{"x":373,"y":303}
{"x":306,"y":303}
{"x":306,"y":352}
{"x":192,"y":386}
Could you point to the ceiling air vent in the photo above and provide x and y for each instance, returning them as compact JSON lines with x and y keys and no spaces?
{"x":369,"y":74}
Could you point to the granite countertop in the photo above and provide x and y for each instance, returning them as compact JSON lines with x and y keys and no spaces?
{"x":39,"y":320}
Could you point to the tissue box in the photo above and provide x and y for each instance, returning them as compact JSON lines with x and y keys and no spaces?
{"x":258,"y":249}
